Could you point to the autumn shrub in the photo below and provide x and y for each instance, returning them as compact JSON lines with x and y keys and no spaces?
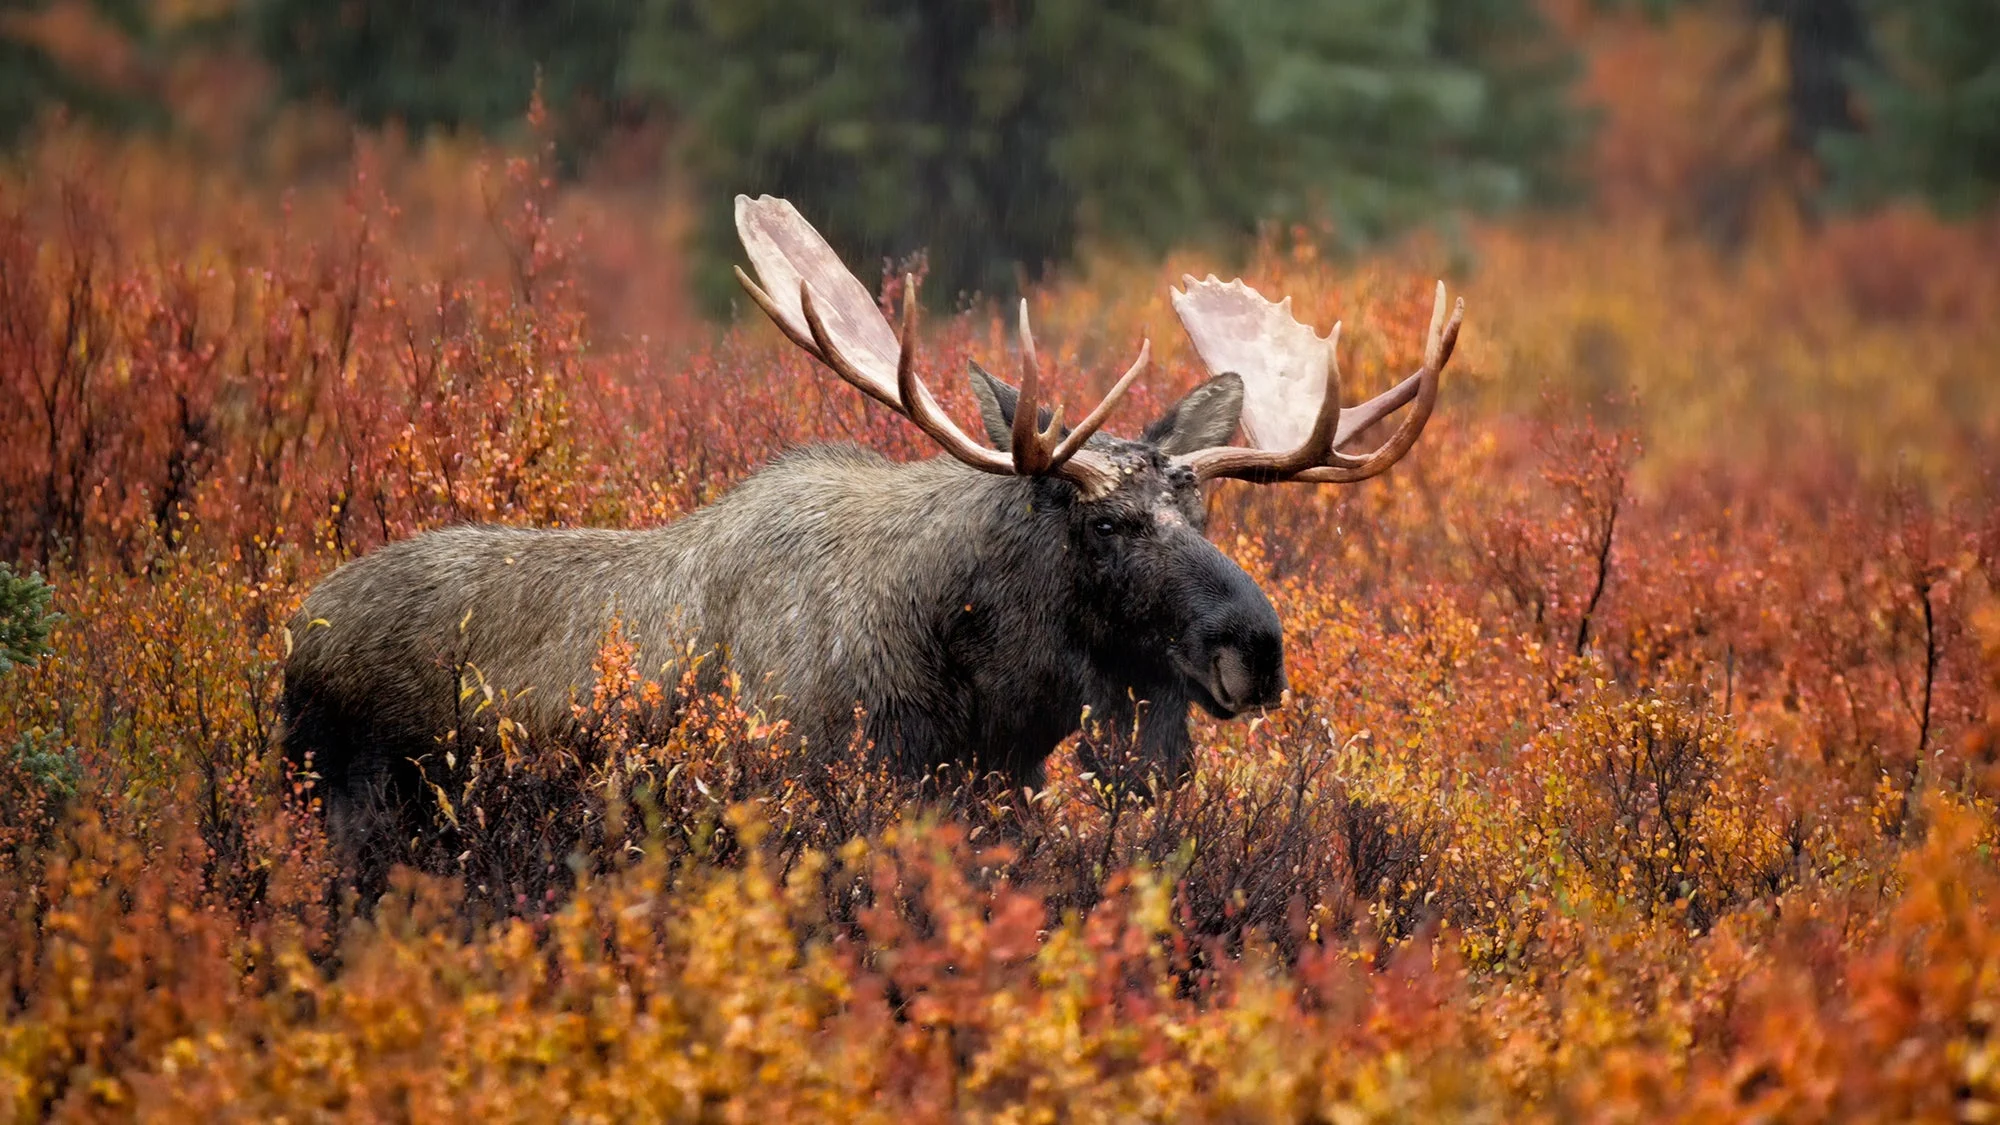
{"x":1650,"y":800}
{"x":36,"y":773}
{"x":1639,"y":761}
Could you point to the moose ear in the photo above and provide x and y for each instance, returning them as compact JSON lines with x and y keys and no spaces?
{"x":996,"y":406}
{"x":1203,"y":417}
{"x":997,"y":400}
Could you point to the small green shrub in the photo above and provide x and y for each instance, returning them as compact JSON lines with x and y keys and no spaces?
{"x":25,"y":617}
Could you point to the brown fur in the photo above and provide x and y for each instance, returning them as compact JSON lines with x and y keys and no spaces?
{"x":972,"y":617}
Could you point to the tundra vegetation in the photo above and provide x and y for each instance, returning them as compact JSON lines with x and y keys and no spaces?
{"x":1642,"y":761}
{"x":954,"y":618}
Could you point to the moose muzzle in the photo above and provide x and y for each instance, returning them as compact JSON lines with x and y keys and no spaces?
{"x":1234,"y":656}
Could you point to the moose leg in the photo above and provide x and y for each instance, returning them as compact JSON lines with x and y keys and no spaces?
{"x":1138,"y":745}
{"x":1164,"y":744}
{"x":910,"y":740}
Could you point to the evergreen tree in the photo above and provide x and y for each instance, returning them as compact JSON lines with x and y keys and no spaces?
{"x":999,"y":136}
{"x":31,"y":80}
{"x":1390,"y":112}
{"x":444,"y":65}
{"x":25,"y":617}
{"x":1893,"y":97}
{"x":1932,"y":109}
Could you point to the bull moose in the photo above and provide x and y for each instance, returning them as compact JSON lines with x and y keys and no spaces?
{"x":970,"y":608}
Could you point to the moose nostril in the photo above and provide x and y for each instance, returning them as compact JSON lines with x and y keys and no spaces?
{"x":1232,"y":680}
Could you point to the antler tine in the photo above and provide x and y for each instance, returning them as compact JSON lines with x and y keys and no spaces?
{"x":1318,"y":459}
{"x":777,"y":315}
{"x":922,"y":407}
{"x":918,"y":404}
{"x":822,"y":345}
{"x":1318,"y":447}
{"x":1316,"y":450}
{"x":906,"y":344}
{"x":839,"y":324}
{"x":1440,"y":343}
{"x":1046,"y":450}
{"x":1095,"y":418}
{"x":1034,"y":449}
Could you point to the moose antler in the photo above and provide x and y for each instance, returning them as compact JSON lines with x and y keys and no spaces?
{"x":1291,"y":388}
{"x":825,"y":310}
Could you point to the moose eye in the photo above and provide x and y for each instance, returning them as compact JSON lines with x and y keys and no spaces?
{"x":1104,"y":526}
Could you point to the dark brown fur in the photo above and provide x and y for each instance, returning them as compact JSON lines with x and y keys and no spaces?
{"x":971,"y":617}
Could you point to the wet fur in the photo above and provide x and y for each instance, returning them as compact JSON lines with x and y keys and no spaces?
{"x":971,"y":617}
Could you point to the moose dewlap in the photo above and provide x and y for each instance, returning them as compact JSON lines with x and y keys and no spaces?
{"x":971,"y":606}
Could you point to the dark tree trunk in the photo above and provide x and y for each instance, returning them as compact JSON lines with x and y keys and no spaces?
{"x":1823,"y":38}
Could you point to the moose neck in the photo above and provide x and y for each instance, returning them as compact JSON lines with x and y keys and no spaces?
{"x":1013,"y":617}
{"x":1033,"y":598}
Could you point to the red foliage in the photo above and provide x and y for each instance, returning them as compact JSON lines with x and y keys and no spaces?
{"x":1641,"y":760}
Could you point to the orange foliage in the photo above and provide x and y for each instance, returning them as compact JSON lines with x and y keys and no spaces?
{"x":1640,"y":763}
{"x":1693,"y":117}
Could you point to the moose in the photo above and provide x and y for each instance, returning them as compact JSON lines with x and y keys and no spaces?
{"x":971,"y":609}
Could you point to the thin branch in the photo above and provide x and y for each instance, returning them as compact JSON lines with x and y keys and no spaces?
{"x":1603,"y":575}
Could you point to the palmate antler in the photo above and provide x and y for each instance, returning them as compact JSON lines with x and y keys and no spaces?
{"x":825,"y":310}
{"x":1291,"y":380}
{"x":1291,"y":388}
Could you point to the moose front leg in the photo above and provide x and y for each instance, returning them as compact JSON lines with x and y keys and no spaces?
{"x":1140,"y":746}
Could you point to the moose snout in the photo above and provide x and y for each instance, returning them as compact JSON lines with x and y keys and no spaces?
{"x":1231,"y":681}
{"x":1237,"y":660}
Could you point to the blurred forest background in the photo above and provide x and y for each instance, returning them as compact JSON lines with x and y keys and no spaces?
{"x":1007,"y":136}
{"x":1643,"y":761}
